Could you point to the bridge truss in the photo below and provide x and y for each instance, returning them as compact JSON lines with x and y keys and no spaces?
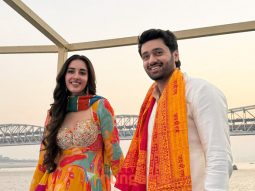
{"x":16,"y":134}
{"x":126,"y":125}
{"x":241,"y":122}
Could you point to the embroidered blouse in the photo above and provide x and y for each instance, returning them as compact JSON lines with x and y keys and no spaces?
{"x":90,"y":152}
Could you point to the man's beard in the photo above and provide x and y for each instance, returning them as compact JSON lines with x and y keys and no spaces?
{"x":164,"y":73}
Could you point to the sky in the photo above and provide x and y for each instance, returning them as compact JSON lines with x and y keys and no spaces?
{"x":27,"y":81}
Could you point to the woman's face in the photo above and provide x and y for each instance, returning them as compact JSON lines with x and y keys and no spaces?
{"x":76,"y":77}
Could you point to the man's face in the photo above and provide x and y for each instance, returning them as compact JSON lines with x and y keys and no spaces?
{"x":158,"y":61}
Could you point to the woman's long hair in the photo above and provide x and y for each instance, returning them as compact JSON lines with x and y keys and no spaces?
{"x":58,"y":109}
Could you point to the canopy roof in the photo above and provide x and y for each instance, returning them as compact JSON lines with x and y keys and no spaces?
{"x":62,"y":47}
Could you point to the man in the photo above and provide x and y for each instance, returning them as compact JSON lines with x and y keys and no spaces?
{"x":182,"y":138}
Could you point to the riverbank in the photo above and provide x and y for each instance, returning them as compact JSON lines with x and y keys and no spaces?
{"x":243,"y":178}
{"x":23,"y":164}
{"x":12,"y":179}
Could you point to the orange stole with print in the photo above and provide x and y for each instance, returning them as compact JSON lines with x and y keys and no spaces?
{"x":169,"y":162}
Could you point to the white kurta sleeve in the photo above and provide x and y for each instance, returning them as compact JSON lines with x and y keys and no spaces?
{"x":209,"y":110}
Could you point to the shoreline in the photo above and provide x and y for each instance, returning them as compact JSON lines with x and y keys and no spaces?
{"x":5,"y":165}
{"x":245,"y":166}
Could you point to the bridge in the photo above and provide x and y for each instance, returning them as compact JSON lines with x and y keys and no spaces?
{"x":241,"y":122}
{"x":23,"y":134}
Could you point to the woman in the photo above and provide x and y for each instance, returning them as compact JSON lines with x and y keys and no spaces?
{"x":81,"y":141}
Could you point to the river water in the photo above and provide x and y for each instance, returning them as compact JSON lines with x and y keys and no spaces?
{"x":243,"y":179}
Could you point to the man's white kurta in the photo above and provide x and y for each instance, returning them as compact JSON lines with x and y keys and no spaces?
{"x":208,"y":131}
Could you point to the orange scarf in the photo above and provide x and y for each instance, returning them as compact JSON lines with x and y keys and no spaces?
{"x":169,"y":162}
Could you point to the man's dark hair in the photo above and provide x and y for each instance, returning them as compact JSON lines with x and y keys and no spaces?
{"x":167,"y":36}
